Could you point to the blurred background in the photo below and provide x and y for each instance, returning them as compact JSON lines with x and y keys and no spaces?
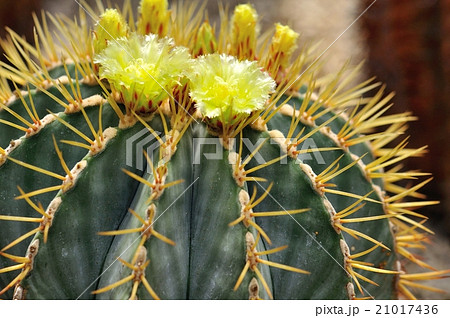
{"x":404,"y":43}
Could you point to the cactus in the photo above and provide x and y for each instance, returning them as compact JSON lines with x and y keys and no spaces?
{"x":265,"y":180}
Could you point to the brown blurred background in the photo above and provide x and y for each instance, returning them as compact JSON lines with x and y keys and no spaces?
{"x":405,"y":43}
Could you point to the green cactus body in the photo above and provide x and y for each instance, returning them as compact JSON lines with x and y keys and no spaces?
{"x":249,"y":191}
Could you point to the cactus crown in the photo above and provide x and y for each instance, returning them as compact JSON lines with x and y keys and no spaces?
{"x":323,"y":198}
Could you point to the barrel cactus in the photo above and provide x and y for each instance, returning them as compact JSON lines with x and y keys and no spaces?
{"x":165,"y":158}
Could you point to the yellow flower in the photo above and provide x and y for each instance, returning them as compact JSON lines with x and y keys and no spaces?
{"x":227,"y":89}
{"x":143,"y":69}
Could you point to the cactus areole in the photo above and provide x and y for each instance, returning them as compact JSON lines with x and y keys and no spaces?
{"x":165,"y":158}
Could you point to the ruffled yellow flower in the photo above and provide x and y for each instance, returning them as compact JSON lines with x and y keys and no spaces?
{"x":227,"y":90}
{"x":143,"y":69}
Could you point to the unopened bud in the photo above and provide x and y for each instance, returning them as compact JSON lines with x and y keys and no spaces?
{"x":111,"y":25}
{"x":205,"y":40}
{"x":153,"y":17}
{"x":245,"y":30}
